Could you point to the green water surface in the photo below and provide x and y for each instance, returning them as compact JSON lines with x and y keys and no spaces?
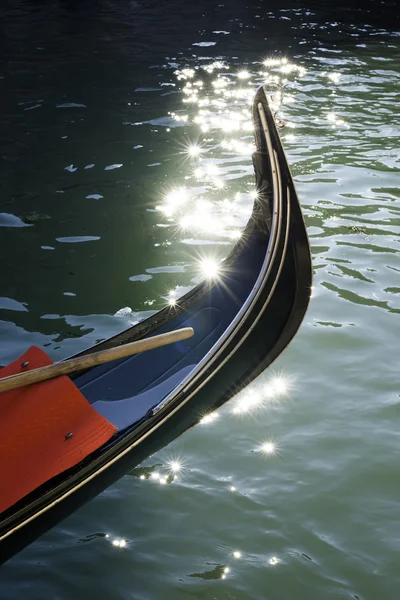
{"x":298,"y":496}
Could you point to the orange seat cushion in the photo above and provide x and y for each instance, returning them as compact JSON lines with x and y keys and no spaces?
{"x":34,"y":423}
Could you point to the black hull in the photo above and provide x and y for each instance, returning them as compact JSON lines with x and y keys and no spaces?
{"x":270,"y":322}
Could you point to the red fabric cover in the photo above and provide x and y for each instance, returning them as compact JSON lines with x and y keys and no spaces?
{"x":34,"y":421}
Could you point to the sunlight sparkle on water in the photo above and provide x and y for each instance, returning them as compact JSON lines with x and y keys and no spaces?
{"x":194,"y":150}
{"x":247,"y":402}
{"x":278,"y":385}
{"x":272,"y":62}
{"x":209,"y":268}
{"x":335,"y":76}
{"x":186,"y":222}
{"x":217,"y":64}
{"x":174,"y":200}
{"x":273,"y":560}
{"x":288,"y":68}
{"x":177,"y":197}
{"x":118,"y":543}
{"x":199,"y":173}
{"x":268,"y":448}
{"x":219,"y":101}
{"x":172,"y":300}
{"x":218,"y":183}
{"x":220,"y":82}
{"x":175,"y":466}
{"x":185,"y":74}
{"x":212,"y":170}
{"x":332,"y":118}
{"x":236,"y":554}
{"x":210,"y":418}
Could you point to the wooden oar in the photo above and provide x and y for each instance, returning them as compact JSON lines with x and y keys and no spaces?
{"x":91,"y":360}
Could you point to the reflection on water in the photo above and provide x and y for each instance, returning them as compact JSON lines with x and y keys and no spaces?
{"x":206,"y":207}
{"x":268,"y":448}
{"x":209,"y":418}
{"x":125,"y":149}
{"x":219,"y":119}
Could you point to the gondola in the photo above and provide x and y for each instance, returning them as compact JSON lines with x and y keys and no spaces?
{"x":242,"y":320}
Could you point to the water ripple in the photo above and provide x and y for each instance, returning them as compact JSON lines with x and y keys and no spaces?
{"x":318,"y":517}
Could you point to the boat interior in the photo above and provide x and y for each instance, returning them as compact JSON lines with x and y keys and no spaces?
{"x":125,"y":390}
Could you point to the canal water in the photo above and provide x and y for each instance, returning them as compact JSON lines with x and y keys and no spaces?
{"x":125,"y":164}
